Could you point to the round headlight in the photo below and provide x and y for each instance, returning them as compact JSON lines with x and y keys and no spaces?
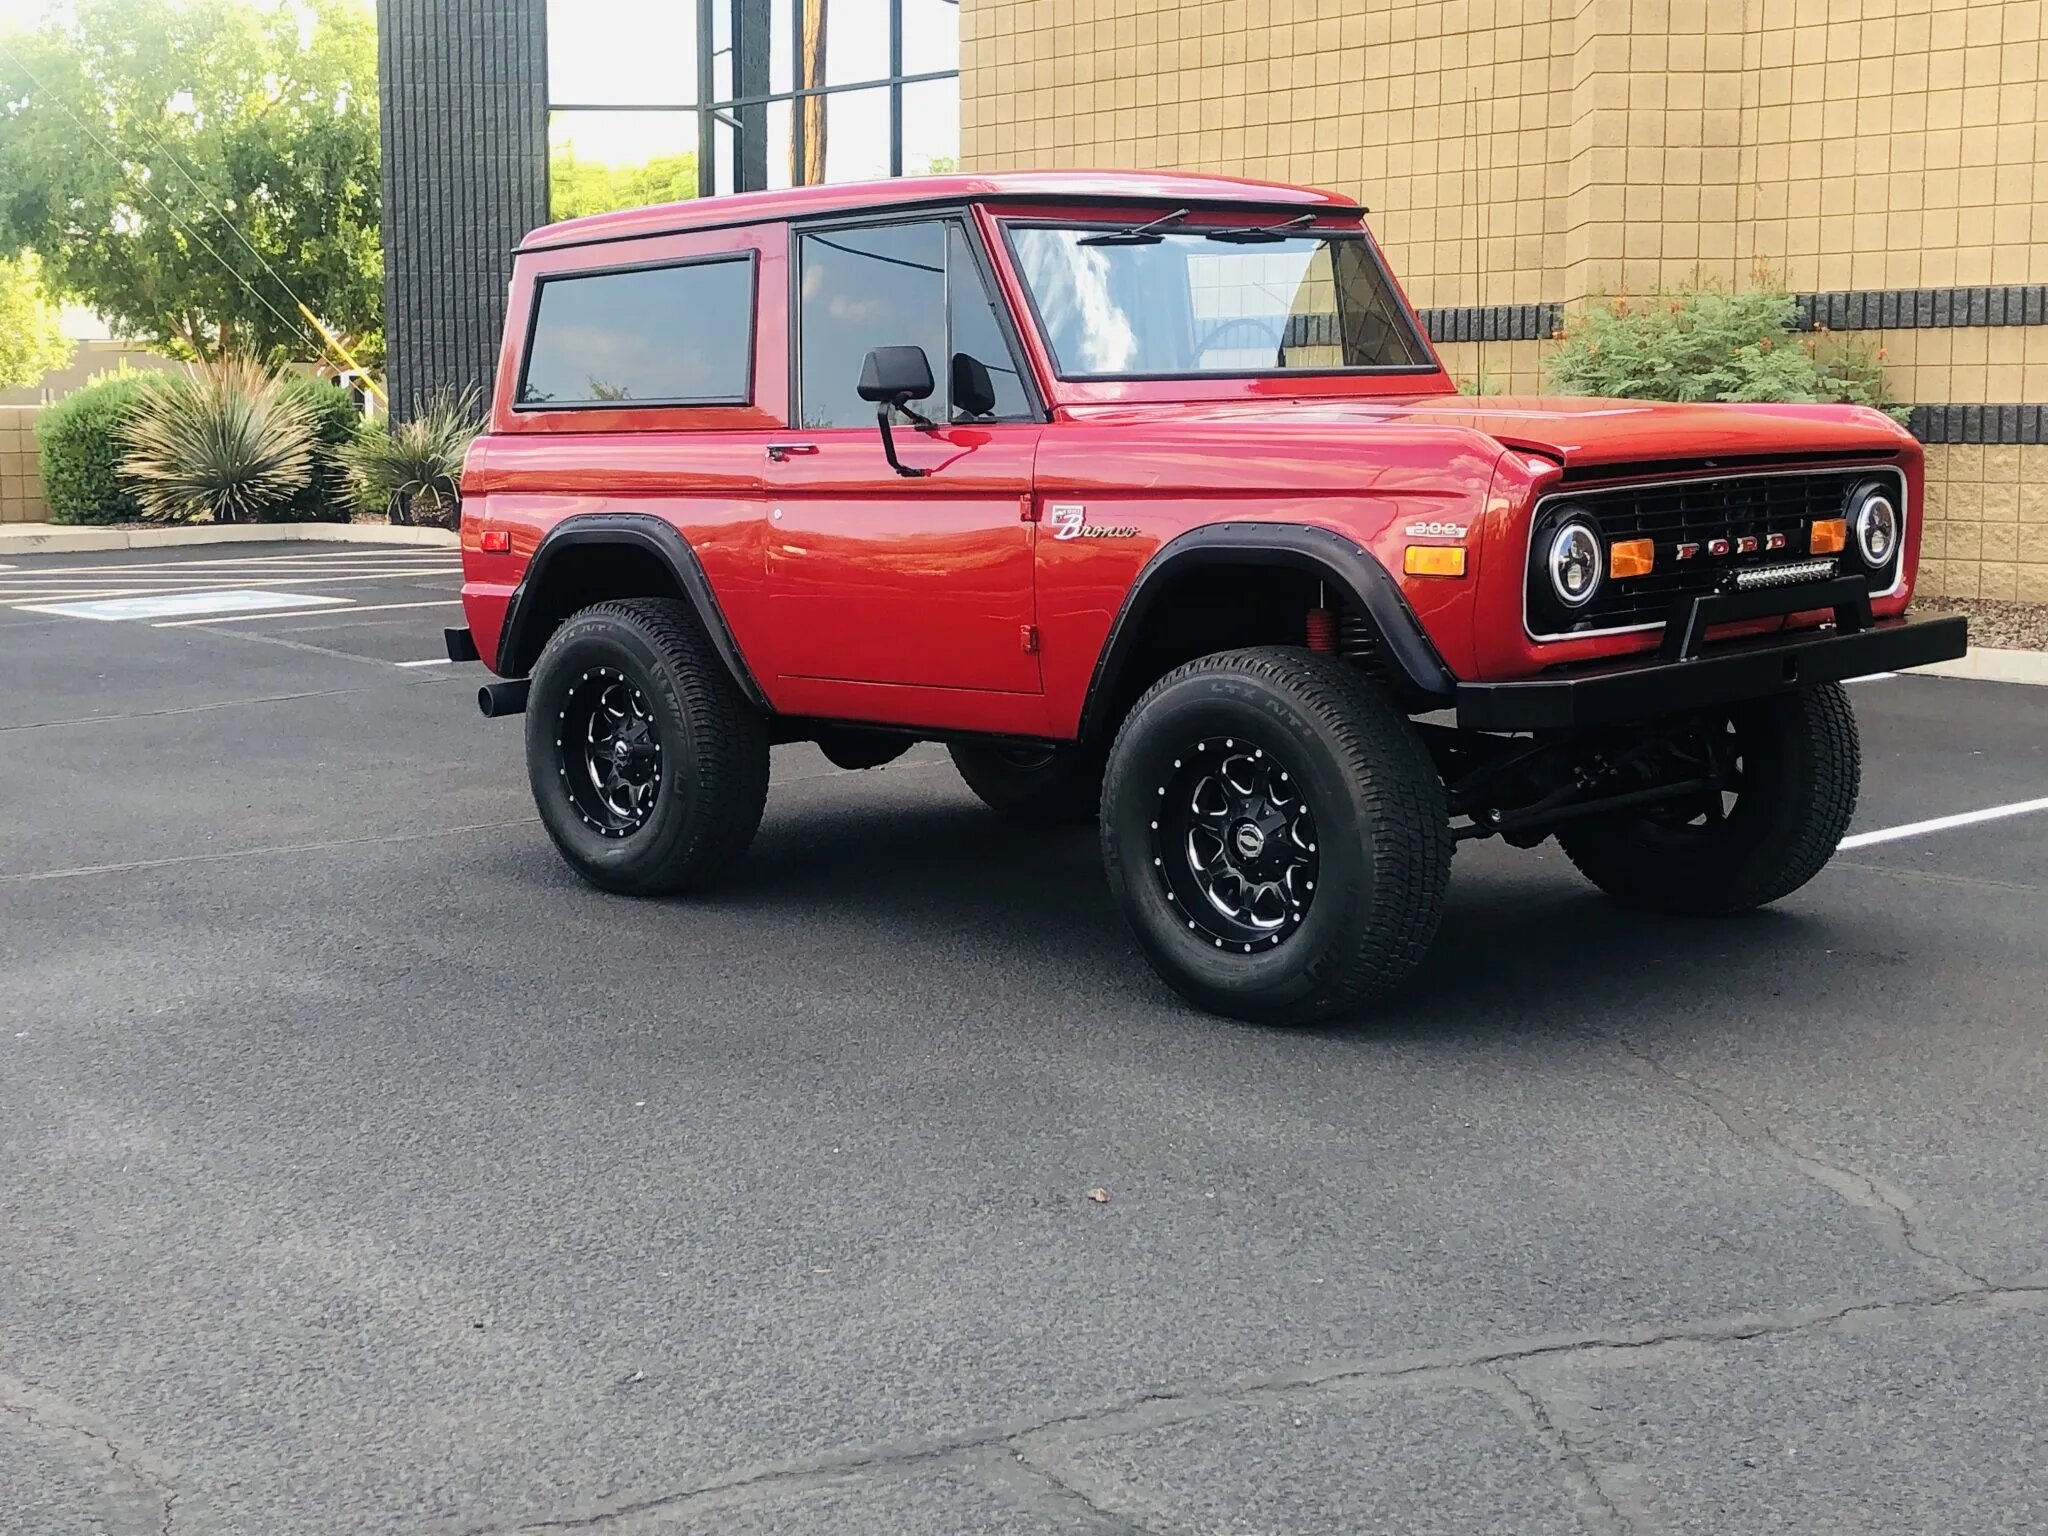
{"x":1575,"y":564}
{"x":1877,"y":528}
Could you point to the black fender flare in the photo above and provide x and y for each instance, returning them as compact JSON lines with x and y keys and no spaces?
{"x":1347,"y":565}
{"x":520,"y":642}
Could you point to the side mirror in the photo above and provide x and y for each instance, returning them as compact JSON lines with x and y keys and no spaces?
{"x":974,"y":392}
{"x":895,"y":375}
{"x":892,"y":377}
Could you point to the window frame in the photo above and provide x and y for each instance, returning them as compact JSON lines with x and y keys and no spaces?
{"x":959,"y":215}
{"x":752,"y":258}
{"x":1196,"y":224}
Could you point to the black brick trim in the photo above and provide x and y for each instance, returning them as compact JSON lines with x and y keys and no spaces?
{"x":1911,"y":309}
{"x":1863,"y":309}
{"x":1493,"y":322}
{"x":1980,"y":423}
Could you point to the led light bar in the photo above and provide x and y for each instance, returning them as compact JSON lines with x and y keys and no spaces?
{"x":1784,"y":575}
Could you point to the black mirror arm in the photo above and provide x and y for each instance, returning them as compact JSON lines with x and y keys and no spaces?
{"x":889,"y":444}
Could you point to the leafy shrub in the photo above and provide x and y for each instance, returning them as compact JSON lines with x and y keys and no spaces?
{"x":407,"y":471}
{"x":80,"y":448}
{"x":336,"y":421}
{"x":232,"y":442}
{"x":1704,"y":343}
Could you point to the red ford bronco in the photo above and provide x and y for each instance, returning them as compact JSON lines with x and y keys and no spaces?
{"x":1147,"y":495}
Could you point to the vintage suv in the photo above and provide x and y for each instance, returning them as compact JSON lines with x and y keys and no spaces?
{"x":1148,"y":497}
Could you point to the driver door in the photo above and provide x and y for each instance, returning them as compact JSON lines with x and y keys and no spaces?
{"x":890,"y":598}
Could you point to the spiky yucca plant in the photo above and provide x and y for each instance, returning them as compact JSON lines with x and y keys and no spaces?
{"x":408,"y":470}
{"x":229,"y":442}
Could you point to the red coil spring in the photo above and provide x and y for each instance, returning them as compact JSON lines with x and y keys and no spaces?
{"x":1322,"y":631}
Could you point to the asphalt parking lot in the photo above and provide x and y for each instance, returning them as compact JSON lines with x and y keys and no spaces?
{"x":363,"y":1172}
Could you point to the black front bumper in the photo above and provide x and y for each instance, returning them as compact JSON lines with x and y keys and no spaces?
{"x":1609,"y":693}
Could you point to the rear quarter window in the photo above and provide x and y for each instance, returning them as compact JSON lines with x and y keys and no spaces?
{"x":677,"y":334}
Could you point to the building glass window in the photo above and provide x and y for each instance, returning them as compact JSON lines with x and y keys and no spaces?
{"x":656,"y":99}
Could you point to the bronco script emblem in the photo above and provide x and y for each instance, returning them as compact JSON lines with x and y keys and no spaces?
{"x":1069,"y":521}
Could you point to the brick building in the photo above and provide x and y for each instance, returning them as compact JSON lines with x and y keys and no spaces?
{"x":1886,"y":158}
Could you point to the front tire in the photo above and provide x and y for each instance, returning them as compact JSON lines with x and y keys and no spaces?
{"x":649,"y":770}
{"x":1276,"y":835}
{"x":1794,"y":765}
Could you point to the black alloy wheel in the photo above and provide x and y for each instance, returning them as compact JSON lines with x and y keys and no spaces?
{"x":1275,"y":835}
{"x":609,"y":752}
{"x":1235,"y":843}
{"x":648,"y":767}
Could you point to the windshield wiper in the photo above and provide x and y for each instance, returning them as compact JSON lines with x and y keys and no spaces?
{"x":1137,"y":234}
{"x":1261,"y":234}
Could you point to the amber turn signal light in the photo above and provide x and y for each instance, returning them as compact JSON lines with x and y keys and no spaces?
{"x":1830,"y":534}
{"x":1434,"y":560}
{"x":1631,"y":557}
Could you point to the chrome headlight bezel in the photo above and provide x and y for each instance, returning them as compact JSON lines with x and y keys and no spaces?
{"x":1876,"y":525}
{"x":1576,"y":545}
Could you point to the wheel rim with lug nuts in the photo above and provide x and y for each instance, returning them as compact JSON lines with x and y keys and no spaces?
{"x":1234,"y":842}
{"x":609,"y":752}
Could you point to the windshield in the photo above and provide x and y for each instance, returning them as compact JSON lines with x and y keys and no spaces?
{"x":1138,"y":304}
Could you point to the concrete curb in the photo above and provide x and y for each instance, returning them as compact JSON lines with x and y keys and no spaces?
{"x":1989,"y":665}
{"x":48,"y":539}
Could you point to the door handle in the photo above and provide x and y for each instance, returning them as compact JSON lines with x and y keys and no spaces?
{"x":778,"y":452}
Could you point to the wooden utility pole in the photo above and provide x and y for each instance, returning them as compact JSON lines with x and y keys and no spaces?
{"x":812,"y":172}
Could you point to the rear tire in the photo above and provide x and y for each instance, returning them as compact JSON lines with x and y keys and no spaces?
{"x":1032,"y":784}
{"x":649,"y":769}
{"x":1276,"y":835}
{"x":1800,"y":770}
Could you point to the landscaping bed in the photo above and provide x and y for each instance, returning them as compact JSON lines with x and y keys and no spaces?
{"x":1998,"y":625}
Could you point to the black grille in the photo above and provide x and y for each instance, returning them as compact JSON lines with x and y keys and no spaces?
{"x":1694,"y":512}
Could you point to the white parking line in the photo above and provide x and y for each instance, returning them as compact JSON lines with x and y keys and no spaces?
{"x":398,"y":555}
{"x":1872,"y":677}
{"x":245,"y":618}
{"x":1943,"y":823}
{"x":431,"y":661}
{"x":22,"y":599}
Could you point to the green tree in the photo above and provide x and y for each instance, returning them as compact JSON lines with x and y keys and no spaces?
{"x":577,"y":186}
{"x":30,"y":342}
{"x":152,"y":150}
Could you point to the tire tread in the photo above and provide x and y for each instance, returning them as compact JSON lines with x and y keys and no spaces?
{"x":1405,"y":812}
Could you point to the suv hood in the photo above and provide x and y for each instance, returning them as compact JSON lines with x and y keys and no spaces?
{"x":1573,"y":430}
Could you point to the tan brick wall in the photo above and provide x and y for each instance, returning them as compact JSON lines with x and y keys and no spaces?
{"x":21,"y":491}
{"x":1517,"y":151}
{"x":1987,"y":529}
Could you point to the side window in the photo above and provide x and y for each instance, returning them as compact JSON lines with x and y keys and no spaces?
{"x":894,"y":286}
{"x":860,"y":289}
{"x":675,"y":335}
{"x":978,"y":338}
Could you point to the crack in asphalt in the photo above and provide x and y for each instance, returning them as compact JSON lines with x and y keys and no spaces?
{"x":1069,"y":1499}
{"x":1105,"y":1419}
{"x":46,"y":1415}
{"x":1597,"y":1506}
{"x":1862,"y":1191}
